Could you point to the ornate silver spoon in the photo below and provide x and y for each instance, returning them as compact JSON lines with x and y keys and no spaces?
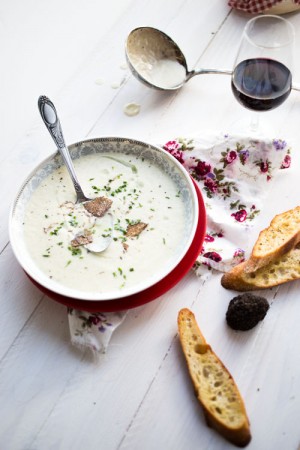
{"x":51,"y":120}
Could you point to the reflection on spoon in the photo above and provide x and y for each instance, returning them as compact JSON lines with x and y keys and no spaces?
{"x":156,"y":60}
{"x":103,"y":238}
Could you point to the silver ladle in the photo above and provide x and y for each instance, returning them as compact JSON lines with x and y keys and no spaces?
{"x":51,"y":120}
{"x":157,"y":61}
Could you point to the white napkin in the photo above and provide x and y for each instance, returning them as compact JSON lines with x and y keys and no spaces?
{"x":234,"y":174}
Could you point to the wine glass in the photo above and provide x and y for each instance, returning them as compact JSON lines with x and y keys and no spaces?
{"x":262,"y":79}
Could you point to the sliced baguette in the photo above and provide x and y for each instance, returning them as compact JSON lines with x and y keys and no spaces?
{"x":279,"y":238}
{"x":215,"y":388}
{"x":281,"y":270}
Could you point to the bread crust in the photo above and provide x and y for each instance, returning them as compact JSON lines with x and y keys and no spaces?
{"x":234,"y":279}
{"x":214,"y":386}
{"x":281,"y":270}
{"x":281,"y":236}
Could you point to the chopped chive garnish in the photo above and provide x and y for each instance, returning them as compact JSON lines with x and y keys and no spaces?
{"x":76,"y":251}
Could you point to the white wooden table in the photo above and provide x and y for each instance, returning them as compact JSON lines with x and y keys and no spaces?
{"x":138,"y":396}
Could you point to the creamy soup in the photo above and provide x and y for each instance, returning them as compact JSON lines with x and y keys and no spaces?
{"x":141,"y":193}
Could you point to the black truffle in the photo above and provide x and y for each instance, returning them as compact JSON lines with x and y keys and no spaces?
{"x":245,"y":311}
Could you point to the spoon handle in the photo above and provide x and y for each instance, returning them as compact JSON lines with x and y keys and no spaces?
{"x":51,"y":120}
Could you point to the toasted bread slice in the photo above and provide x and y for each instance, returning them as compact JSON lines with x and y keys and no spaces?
{"x":281,"y":270}
{"x":279,"y":238}
{"x":215,"y":388}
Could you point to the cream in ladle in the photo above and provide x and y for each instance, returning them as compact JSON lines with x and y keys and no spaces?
{"x":156,"y":60}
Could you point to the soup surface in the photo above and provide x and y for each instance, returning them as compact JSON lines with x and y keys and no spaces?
{"x":141,"y":194}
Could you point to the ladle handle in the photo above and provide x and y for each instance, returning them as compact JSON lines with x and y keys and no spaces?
{"x":193,"y":73}
{"x":51,"y":120}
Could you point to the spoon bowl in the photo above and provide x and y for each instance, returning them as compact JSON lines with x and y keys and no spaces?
{"x":157,"y":61}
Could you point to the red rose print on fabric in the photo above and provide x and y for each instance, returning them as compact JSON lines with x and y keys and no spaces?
{"x":286,"y":162}
{"x":214,"y":256}
{"x":209,"y":238}
{"x":239,"y":256}
{"x":240,"y":215}
{"x":173,"y":148}
{"x":202,"y":168}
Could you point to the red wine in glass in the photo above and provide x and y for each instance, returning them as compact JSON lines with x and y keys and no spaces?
{"x":261,"y":84}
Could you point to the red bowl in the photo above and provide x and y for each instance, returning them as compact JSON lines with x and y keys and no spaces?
{"x":151,"y":293}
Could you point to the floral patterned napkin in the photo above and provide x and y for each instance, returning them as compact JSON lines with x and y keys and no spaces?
{"x":93,"y":330}
{"x":234,"y":174}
